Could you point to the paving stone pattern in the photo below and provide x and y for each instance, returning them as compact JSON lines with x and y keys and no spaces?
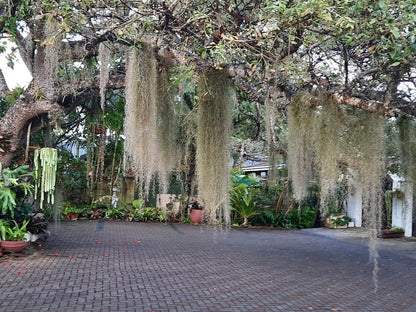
{"x":128,"y":266}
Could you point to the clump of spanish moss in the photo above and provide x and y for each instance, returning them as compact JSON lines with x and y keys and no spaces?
{"x":301,"y":140}
{"x":167,"y":124}
{"x":367,"y":134}
{"x":104,"y":56}
{"x":319,"y":133}
{"x":407,"y":139}
{"x":214,"y":125}
{"x":329,"y":120}
{"x":141,"y":111}
{"x":150,"y":122}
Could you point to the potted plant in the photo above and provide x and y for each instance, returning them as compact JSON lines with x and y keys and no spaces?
{"x":340,"y":222}
{"x":13,"y":238}
{"x":70,"y":212}
{"x":197,"y":213}
{"x":395,"y":232}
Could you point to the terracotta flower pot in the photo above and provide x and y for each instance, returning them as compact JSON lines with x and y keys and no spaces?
{"x":13,"y":246}
{"x":73,"y":215}
{"x":196,"y":216}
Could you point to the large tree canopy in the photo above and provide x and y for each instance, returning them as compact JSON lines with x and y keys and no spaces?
{"x":362,"y":52}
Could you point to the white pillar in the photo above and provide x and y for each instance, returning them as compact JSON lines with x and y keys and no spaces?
{"x":402,"y":206}
{"x":355,"y":202}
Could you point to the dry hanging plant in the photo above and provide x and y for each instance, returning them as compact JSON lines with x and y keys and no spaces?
{"x":104,"y":56}
{"x":407,"y":139}
{"x":150,"y":122}
{"x":214,"y":126}
{"x":329,"y":121}
{"x":366,"y":133}
{"x":141,"y":111}
{"x":301,"y":140}
{"x":167,"y":125}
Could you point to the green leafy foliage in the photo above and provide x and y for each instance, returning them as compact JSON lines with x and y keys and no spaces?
{"x":244,"y":197}
{"x":120,"y":213}
{"x":150,"y":214}
{"x":72,"y":176}
{"x":291,"y":220}
{"x":7,"y":98}
{"x":244,"y":201}
{"x":14,"y":186}
{"x":15,"y":233}
{"x":138,"y":203}
{"x":341,"y":220}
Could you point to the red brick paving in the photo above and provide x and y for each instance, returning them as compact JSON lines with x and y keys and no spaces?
{"x":123,"y":266}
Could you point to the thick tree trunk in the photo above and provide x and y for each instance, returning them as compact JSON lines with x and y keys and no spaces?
{"x":14,"y":123}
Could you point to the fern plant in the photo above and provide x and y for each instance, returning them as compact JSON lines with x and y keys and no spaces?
{"x":12,"y":183}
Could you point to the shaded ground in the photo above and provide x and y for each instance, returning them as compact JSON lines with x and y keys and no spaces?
{"x":122,"y":266}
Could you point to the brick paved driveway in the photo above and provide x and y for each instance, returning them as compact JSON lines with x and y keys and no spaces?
{"x":122,"y":266}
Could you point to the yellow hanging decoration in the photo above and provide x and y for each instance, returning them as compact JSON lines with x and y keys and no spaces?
{"x":46,"y":160}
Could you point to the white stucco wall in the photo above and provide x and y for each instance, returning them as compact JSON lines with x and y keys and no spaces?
{"x":355,"y":203}
{"x":402,"y":207}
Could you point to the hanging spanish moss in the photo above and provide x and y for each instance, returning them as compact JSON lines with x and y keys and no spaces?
{"x":407,"y":139}
{"x":301,"y":140}
{"x":367,"y":134}
{"x":329,"y":121}
{"x":45,"y":160}
{"x":324,"y":132}
{"x":166,"y":125}
{"x":150,"y":123}
{"x":216,"y":95}
{"x":141,"y":111}
{"x":104,"y":57}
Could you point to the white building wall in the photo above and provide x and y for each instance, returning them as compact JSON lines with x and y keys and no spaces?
{"x":355,"y":203}
{"x":402,"y":207}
